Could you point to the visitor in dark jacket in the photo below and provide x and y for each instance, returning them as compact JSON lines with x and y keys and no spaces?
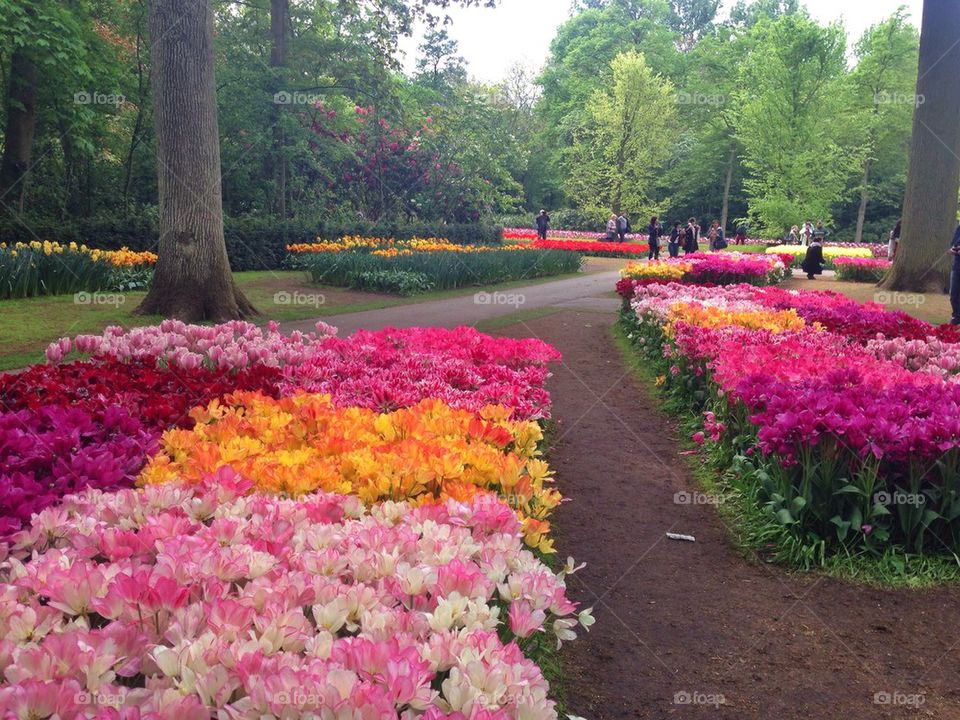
{"x":691,"y":243}
{"x":955,"y":279}
{"x":655,"y":230}
{"x":623,"y":227}
{"x":813,"y":262}
{"x":676,"y":236}
{"x":543,"y":224}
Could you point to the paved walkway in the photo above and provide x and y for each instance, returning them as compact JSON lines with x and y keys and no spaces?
{"x":589,"y":292}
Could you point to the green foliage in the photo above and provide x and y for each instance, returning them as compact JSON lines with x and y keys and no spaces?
{"x":625,"y":139}
{"x":398,"y":282}
{"x":767,"y":118}
{"x":791,"y":85}
{"x":425,"y":271}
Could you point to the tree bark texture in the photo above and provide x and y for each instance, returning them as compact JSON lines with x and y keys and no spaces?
{"x":19,"y":131}
{"x":930,"y":207}
{"x":192,"y":281}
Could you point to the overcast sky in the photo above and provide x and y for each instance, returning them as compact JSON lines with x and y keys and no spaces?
{"x":521,"y":30}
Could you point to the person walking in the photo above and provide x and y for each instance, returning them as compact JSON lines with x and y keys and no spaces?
{"x":612,"y":228}
{"x":955,"y":279}
{"x":894,"y":241}
{"x":806,"y":232}
{"x":812,"y":264}
{"x":741,"y":237}
{"x":543,"y":224}
{"x":654,"y":231}
{"x":623,"y":227}
{"x":673,"y":245}
{"x":793,"y":237}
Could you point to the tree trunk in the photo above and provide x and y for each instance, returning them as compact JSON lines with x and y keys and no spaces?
{"x":192,"y":281}
{"x":864,"y":199}
{"x":930,"y":207}
{"x":18,"y":135}
{"x":725,"y":211}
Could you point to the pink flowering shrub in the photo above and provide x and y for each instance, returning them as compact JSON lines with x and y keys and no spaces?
{"x":182,"y":603}
{"x":393,"y":369}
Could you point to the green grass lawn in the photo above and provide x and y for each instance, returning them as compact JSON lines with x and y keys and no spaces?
{"x":28,"y":326}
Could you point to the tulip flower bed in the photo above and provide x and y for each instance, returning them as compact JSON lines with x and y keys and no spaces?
{"x":594,"y":248}
{"x":704,"y":269}
{"x":830,"y":252}
{"x":394,"y":369}
{"x":287,"y":552}
{"x":530,"y":234}
{"x":869,"y":270}
{"x":186,"y":603}
{"x":422,"y":265}
{"x":49,"y":268}
{"x":840,"y":421}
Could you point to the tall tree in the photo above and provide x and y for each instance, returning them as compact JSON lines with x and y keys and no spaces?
{"x":192,"y":280}
{"x":48,"y":42}
{"x":796,"y":168}
{"x":883,"y":83}
{"x":19,"y":132}
{"x":692,"y":19}
{"x":930,"y":206}
{"x":628,"y":135}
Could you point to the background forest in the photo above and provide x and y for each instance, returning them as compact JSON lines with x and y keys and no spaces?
{"x":645,"y":106}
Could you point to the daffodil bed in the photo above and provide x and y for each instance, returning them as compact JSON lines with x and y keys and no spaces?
{"x":420,"y":265}
{"x":840,"y":421}
{"x":49,"y":268}
{"x":188,"y":529}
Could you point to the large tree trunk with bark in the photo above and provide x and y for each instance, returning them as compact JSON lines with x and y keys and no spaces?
{"x":864,"y":200}
{"x":192,"y":281}
{"x":930,"y":207}
{"x":18,"y":135}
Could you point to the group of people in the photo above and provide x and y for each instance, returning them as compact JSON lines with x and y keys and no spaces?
{"x":618,"y":227}
{"x":807,"y":233}
{"x":686,"y":238}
